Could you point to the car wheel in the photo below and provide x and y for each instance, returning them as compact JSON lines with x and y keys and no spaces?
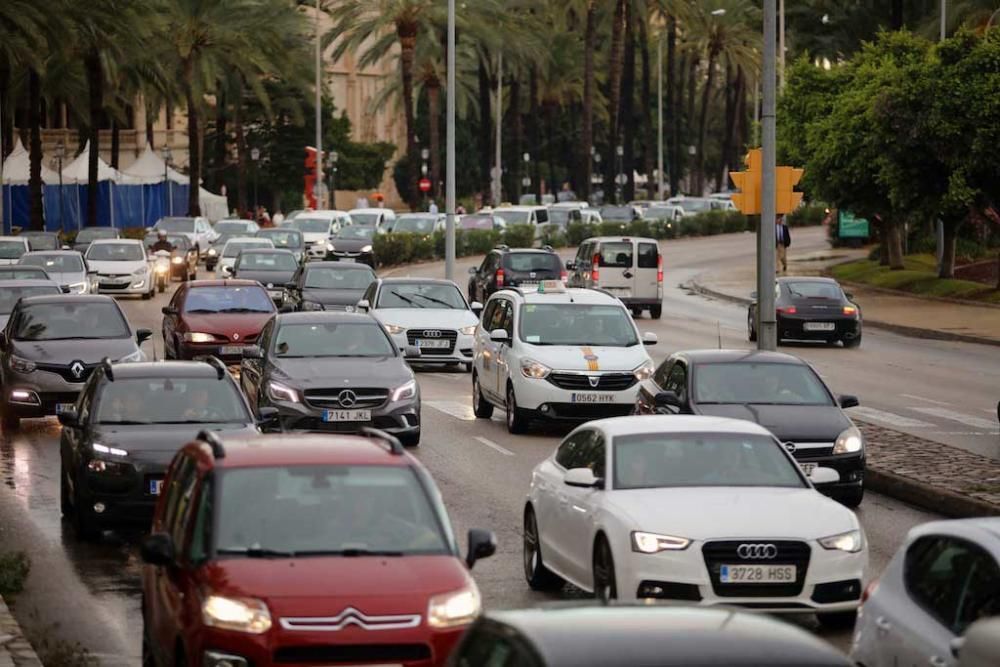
{"x":838,"y":620}
{"x":636,"y":313}
{"x":482,"y":408}
{"x":517,"y":420}
{"x":168,"y":354}
{"x":853,"y":342}
{"x":751,"y":332}
{"x":539,"y":577}
{"x":410,"y":439}
{"x":466,"y":367}
{"x":605,"y":584}
{"x":9,"y":420}
{"x":84,"y":523}
{"x":656,"y":311}
{"x":146,"y":296}
{"x":853,"y":497}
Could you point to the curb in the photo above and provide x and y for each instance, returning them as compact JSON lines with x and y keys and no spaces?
{"x":909,"y":295}
{"x":14,"y":648}
{"x":931,"y":498}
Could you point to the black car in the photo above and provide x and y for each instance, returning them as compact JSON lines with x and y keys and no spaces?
{"x":130,"y":420}
{"x":627,"y":636}
{"x":513,"y":267}
{"x":214,"y":251}
{"x":778,"y":391}
{"x":271,"y":268}
{"x":354,"y":243}
{"x":184,"y":258}
{"x":811,"y":309}
{"x":335,"y":372}
{"x":42,"y":240}
{"x":328,"y":286}
{"x":88,"y":235}
{"x":284,"y":238}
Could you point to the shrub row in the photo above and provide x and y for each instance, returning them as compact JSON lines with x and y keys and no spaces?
{"x":405,"y":248}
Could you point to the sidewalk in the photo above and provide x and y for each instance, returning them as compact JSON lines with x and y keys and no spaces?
{"x":906,"y":315}
{"x":15,"y":651}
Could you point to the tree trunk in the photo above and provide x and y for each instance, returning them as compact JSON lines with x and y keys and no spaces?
{"x":533,"y":138}
{"x":485,"y":135}
{"x":615,"y":67}
{"x":627,"y":115}
{"x":895,"y":245}
{"x":221,"y":155}
{"x":241,"y":155}
{"x":407,"y":34}
{"x":95,"y":89}
{"x":647,"y":103}
{"x":947,"y":267}
{"x":194,"y":143}
{"x":587,"y":122}
{"x":896,"y":18}
{"x":550,"y":144}
{"x":6,"y":124}
{"x":517,"y":134}
{"x":692,"y":94}
{"x":883,"y":241}
{"x":741,"y":121}
{"x":706,"y":97}
{"x":116,"y":143}
{"x":729,"y":95}
{"x":434,"y":128}
{"x":673,"y":107}
{"x":37,"y":216}
{"x":150,"y":134}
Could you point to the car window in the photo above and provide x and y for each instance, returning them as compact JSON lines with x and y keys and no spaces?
{"x":282,"y":238}
{"x":576,"y":324}
{"x":9,"y":295}
{"x":489,"y":313}
{"x":484,"y":647}
{"x":311,"y":225}
{"x":93,"y":233}
{"x":23,"y":273}
{"x":332,"y":339}
{"x":759,"y":384}
{"x":115,"y":252}
{"x":11,"y":249}
{"x":533,"y":261}
{"x":234,"y":248}
{"x":260,"y":261}
{"x":591,"y":453}
{"x":649,"y":256}
{"x":421,"y":295}
{"x":568,"y":451}
{"x":182,"y":479}
{"x":200,"y":534}
{"x":67,"y":320}
{"x":334,"y":278}
{"x":415,"y":224}
{"x":512,"y":217}
{"x":367,"y":219}
{"x":171,"y":401}
{"x":813,"y":290}
{"x":662,"y":372}
{"x":232,"y":226}
{"x":228,"y":299}
{"x":677,"y":381}
{"x":615,"y":254}
{"x":356,"y":233}
{"x":178,"y":225}
{"x":68,"y":263}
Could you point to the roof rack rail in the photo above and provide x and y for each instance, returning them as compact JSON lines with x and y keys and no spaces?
{"x":395,"y":446}
{"x":211,"y":438}
{"x":108,"y":368}
{"x":212,"y":360}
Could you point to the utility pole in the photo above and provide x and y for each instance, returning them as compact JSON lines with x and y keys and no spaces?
{"x":767,"y":328}
{"x":319,"y":108}
{"x":781,"y":45}
{"x":449,"y":179}
{"x":497,"y":183}
{"x":659,"y":115}
{"x":944,"y":17}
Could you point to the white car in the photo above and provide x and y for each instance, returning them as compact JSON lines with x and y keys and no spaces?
{"x":704,"y":510}
{"x":234,"y":247}
{"x":557,"y":353}
{"x":522,"y":215}
{"x":122,"y":267}
{"x":945,"y":577}
{"x":198,"y":230}
{"x":65,"y":267}
{"x":11,"y":249}
{"x":318,"y":228}
{"x":382,"y":219}
{"x":425,"y":313}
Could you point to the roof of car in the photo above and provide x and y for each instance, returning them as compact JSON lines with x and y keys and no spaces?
{"x":806,"y":279}
{"x":244,"y":239}
{"x":371,"y":209}
{"x":37,"y":232}
{"x":578,"y":295}
{"x":416,"y":279}
{"x":620,"y":239}
{"x":537,"y":251}
{"x":165,"y":369}
{"x":322,"y":317}
{"x":982,"y":527}
{"x":72,"y":299}
{"x":19,"y":237}
{"x":635,"y":424}
{"x":722,"y":356}
{"x":31,"y":282}
{"x":223,"y":282}
{"x":665,"y":635}
{"x":520,"y":207}
{"x":35,"y":253}
{"x":116,"y":241}
{"x":308,"y":449}
{"x":268,"y":251}
{"x":348,"y":266}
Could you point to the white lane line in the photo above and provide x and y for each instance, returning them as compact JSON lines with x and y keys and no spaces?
{"x":455,"y":409}
{"x":493,"y":445}
{"x":928,"y":400}
{"x":961,"y":418}
{"x":892,"y":419}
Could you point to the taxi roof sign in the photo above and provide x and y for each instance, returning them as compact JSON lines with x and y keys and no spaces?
{"x":551,"y":287}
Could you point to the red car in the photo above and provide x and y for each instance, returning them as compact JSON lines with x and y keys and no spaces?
{"x":215,"y":317}
{"x":312,"y":550}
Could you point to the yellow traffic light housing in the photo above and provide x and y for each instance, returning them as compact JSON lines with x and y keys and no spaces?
{"x":747,"y":200}
{"x":786,"y":199}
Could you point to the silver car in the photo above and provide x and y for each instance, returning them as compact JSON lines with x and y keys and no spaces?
{"x":943,"y":579}
{"x":65,"y":267}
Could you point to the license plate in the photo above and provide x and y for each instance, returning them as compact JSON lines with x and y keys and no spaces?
{"x":155,"y":486}
{"x":231,"y":349}
{"x":808,"y":468}
{"x":592,"y":398}
{"x":757,"y":574}
{"x":529,"y":283}
{"x":819,"y":326}
{"x":63,"y":407}
{"x":620,"y":291}
{"x":433,"y":343}
{"x":347,"y":416}
{"x":349,"y":260}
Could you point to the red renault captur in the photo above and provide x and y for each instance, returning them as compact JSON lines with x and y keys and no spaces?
{"x":305,"y":550}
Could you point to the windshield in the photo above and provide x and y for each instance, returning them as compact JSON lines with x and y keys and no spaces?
{"x":10,"y":295}
{"x":115,"y":252}
{"x":178,"y":225}
{"x":11,"y":249}
{"x":241,"y":299}
{"x":695,"y":205}
{"x":617,"y":213}
{"x":564,"y":216}
{"x":333,"y":339}
{"x":326,"y":510}
{"x":171,"y":401}
{"x":660,"y":212}
{"x":523,"y":262}
{"x":332,"y":278}
{"x":233,"y":248}
{"x":180,"y":242}
{"x":512,"y":217}
{"x":421,"y":295}
{"x":282,"y":238}
{"x":67,"y":320}
{"x":69,"y":263}
{"x":758,"y":384}
{"x":813,"y":289}
{"x":268,"y":261}
{"x":311,"y":225}
{"x":576,"y":324}
{"x":93,"y":233}
{"x":364,"y":218}
{"x":654,"y":460}
{"x":41,"y":240}
{"x":232,"y":226}
{"x":356,"y":232}
{"x":421,"y":225}
{"x":476,"y":222}
{"x":23,"y":273}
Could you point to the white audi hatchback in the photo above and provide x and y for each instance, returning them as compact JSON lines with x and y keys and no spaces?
{"x":704,"y":510}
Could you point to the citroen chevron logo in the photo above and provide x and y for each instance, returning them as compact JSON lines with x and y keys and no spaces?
{"x":351,"y":616}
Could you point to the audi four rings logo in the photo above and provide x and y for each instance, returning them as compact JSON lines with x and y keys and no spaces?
{"x":757,"y":551}
{"x":432,"y":333}
{"x":347,"y":398}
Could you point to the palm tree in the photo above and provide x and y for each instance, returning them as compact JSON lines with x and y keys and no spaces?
{"x":615,"y":67}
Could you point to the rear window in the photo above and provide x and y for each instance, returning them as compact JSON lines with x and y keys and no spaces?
{"x":813,"y":290}
{"x":171,"y":401}
{"x":616,"y":254}
{"x":11,"y":249}
{"x":532,"y":261}
{"x":649,"y":256}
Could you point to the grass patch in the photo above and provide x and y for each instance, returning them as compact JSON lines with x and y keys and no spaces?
{"x":14,"y":568}
{"x":919,"y":277}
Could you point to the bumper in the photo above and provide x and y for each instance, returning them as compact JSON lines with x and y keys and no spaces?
{"x":37,"y":394}
{"x":136,"y":285}
{"x":795,"y":328}
{"x":553,"y":402}
{"x":399,"y":418}
{"x":317,"y":251}
{"x":354,"y":257}
{"x":850,"y":467}
{"x":641,"y":301}
{"x":122,"y":499}
{"x":460,"y":352}
{"x":225,"y":352}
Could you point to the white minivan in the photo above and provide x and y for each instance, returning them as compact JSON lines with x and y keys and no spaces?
{"x":630,"y":268}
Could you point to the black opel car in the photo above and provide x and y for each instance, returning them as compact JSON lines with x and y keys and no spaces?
{"x":814,"y":309}
{"x":780,"y":392}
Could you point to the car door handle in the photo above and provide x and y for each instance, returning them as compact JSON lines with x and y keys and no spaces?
{"x":883,"y":625}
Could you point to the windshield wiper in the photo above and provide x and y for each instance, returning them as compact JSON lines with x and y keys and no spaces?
{"x":351,"y":553}
{"x":255,"y":552}
{"x":242,"y":310}
{"x":406,"y":299}
{"x":436,"y":300}
{"x":125,"y":422}
{"x":200,"y":310}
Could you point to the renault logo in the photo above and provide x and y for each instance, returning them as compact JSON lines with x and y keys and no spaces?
{"x":790,"y":446}
{"x":347,"y":398}
{"x":432,"y":333}
{"x":594,"y":380}
{"x":236,"y":336}
{"x":757,"y":551}
{"x":77,"y":368}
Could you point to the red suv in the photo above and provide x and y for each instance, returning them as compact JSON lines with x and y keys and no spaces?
{"x":306,"y":549}
{"x":215,"y":317}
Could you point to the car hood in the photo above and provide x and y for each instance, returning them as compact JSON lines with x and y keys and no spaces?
{"x":89,"y":351}
{"x":67,"y":277}
{"x":589,"y":358}
{"x":265,"y":278}
{"x":119,"y":268}
{"x":333,"y":297}
{"x":310,"y":238}
{"x":228,"y":324}
{"x":311,"y":372}
{"x":159,"y":442}
{"x":732,"y":512}
{"x":426,"y":318}
{"x":351,"y":245}
{"x":798,"y":423}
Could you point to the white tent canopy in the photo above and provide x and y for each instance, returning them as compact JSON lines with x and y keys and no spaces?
{"x":149,"y":168}
{"x":17,"y":168}
{"x":77,"y":170}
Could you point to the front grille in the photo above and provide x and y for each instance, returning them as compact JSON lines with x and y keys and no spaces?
{"x":812,"y":452}
{"x":51,"y":399}
{"x":352,"y":653}
{"x":332,"y":398}
{"x":63,"y":371}
{"x":790,"y":552}
{"x":581,"y":382}
{"x":433,"y":334}
{"x":585,"y":411}
{"x":837,"y":591}
{"x":121,"y":286}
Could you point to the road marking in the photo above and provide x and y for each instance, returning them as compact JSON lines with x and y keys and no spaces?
{"x":928,"y":400}
{"x":961,"y":418}
{"x":455,"y":409}
{"x":882,"y":417}
{"x":493,"y":445}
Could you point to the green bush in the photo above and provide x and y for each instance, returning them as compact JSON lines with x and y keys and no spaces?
{"x":14,"y":568}
{"x":639,"y":228}
{"x":734,"y":221}
{"x":425,"y":246}
{"x":553,"y":236}
{"x":479,"y":241}
{"x":393,"y":249}
{"x":578,"y":232}
{"x":520,"y":236}
{"x":810,"y":215}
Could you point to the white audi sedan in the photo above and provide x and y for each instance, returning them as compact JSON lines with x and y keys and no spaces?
{"x":705,"y":510}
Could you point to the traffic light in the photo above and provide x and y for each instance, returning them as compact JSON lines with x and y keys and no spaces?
{"x":747,"y":182}
{"x":787,"y":200}
{"x":310,"y":177}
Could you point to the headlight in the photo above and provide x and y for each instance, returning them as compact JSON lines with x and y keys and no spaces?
{"x":177,"y":260}
{"x":348,"y":309}
{"x":329,"y":247}
{"x":130,"y":358}
{"x":108,"y":467}
{"x":469,"y":330}
{"x":460,"y":607}
{"x":851,"y":542}
{"x":211,"y":252}
{"x":849,"y":441}
{"x":311,"y":305}
{"x":161,"y":268}
{"x":651,"y":543}
{"x":367,"y":248}
{"x":112,"y":451}
{"x":196,"y":337}
{"x":279,"y":392}
{"x":21,"y":365}
{"x":532,"y":369}
{"x":78,"y":287}
{"x":241,"y":615}
{"x":644,"y":371}
{"x":408,"y":390}
{"x":394,"y":328}
{"x":141,"y":271}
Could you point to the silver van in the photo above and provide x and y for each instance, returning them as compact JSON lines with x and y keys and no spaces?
{"x":630,"y":268}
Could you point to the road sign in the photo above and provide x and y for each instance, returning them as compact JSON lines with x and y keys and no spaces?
{"x":424,"y":184}
{"x":851,"y":227}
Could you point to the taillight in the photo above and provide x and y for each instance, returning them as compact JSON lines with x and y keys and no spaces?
{"x":499,"y":277}
{"x":788,"y":310}
{"x":595,"y":273}
{"x":850,"y":310}
{"x":563,"y":276}
{"x":659,"y":268}
{"x":869,"y":590}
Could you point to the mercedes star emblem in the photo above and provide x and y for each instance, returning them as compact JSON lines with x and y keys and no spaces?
{"x":757,"y":551}
{"x":347,"y":398}
{"x":236,"y":336}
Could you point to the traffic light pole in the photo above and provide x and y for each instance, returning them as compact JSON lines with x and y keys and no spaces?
{"x":449,"y":206}
{"x":767,"y":325}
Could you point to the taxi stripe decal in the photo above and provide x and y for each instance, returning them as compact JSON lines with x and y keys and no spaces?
{"x":591,"y":358}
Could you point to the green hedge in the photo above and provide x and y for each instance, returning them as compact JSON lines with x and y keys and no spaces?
{"x":810,"y":215}
{"x":405,"y":247}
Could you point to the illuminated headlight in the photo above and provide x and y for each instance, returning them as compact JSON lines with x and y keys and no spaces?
{"x":532,"y":369}
{"x":460,"y":607}
{"x":197,"y":337}
{"x":311,"y":305}
{"x":403,"y":392}
{"x":279,"y":392}
{"x":111,"y":451}
{"x":177,"y":260}
{"x":161,"y":268}
{"x":852,"y":542}
{"x":651,"y":543}
{"x":469,"y":330}
{"x":108,"y":467}
{"x":79,"y":288}
{"x":849,"y":441}
{"x":394,"y":328}
{"x":130,"y":358}
{"x":367,"y":248}
{"x":20,"y":365}
{"x":212,"y":252}
{"x":329,"y":247}
{"x":644,"y":371}
{"x":141,"y":271}
{"x":240,"y":615}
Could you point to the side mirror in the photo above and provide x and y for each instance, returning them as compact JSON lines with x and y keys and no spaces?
{"x":158,"y":549}
{"x":69,"y":417}
{"x":227,"y":270}
{"x":253,"y":352}
{"x":849,"y":296}
{"x":822,"y":475}
{"x":482,"y":544}
{"x":363,"y":306}
{"x":142,"y":335}
{"x":472,"y":270}
{"x":499,"y":336}
{"x":286,"y":308}
{"x":571,"y":265}
{"x":848,"y":401}
{"x":267,"y":416}
{"x":650,"y":338}
{"x":411,"y":352}
{"x":168,"y":310}
{"x":65,"y":289}
{"x":476,"y":307}
{"x":581,"y":477}
{"x":667,"y":399}
{"x":955,"y":646}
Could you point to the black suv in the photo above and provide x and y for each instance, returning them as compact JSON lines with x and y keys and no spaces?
{"x":513,"y":267}
{"x":130,"y":420}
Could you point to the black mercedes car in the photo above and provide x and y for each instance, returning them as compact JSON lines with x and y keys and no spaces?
{"x":271,"y":268}
{"x":131,"y":419}
{"x":354,"y":243}
{"x":780,"y":392}
{"x":328,"y":286}
{"x":333,"y":372}
{"x":814,"y":309}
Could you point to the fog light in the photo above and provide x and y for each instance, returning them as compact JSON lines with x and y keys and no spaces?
{"x":99,"y":508}
{"x":545,"y":408}
{"x":23,"y":396}
{"x":213,"y":659}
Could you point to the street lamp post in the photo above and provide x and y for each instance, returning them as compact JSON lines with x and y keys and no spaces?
{"x":319,"y":108}
{"x":168,"y":155}
{"x":526,"y":181}
{"x":597,"y":170}
{"x":60,"y":154}
{"x":620,"y":176}
{"x":331,"y":166}
{"x":767,"y":328}
{"x":255,"y":156}
{"x":659,"y":117}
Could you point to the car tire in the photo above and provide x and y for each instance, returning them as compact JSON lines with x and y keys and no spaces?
{"x":656,"y":311}
{"x":853,"y":342}
{"x":84,"y":524}
{"x":482,"y":408}
{"x":539,"y":577}
{"x":605,"y":582}
{"x":853,"y":497}
{"x":517,"y":419}
{"x":146,"y":296}
{"x":636,"y":313}
{"x":838,"y":620}
{"x":466,"y":367}
{"x":410,"y":439}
